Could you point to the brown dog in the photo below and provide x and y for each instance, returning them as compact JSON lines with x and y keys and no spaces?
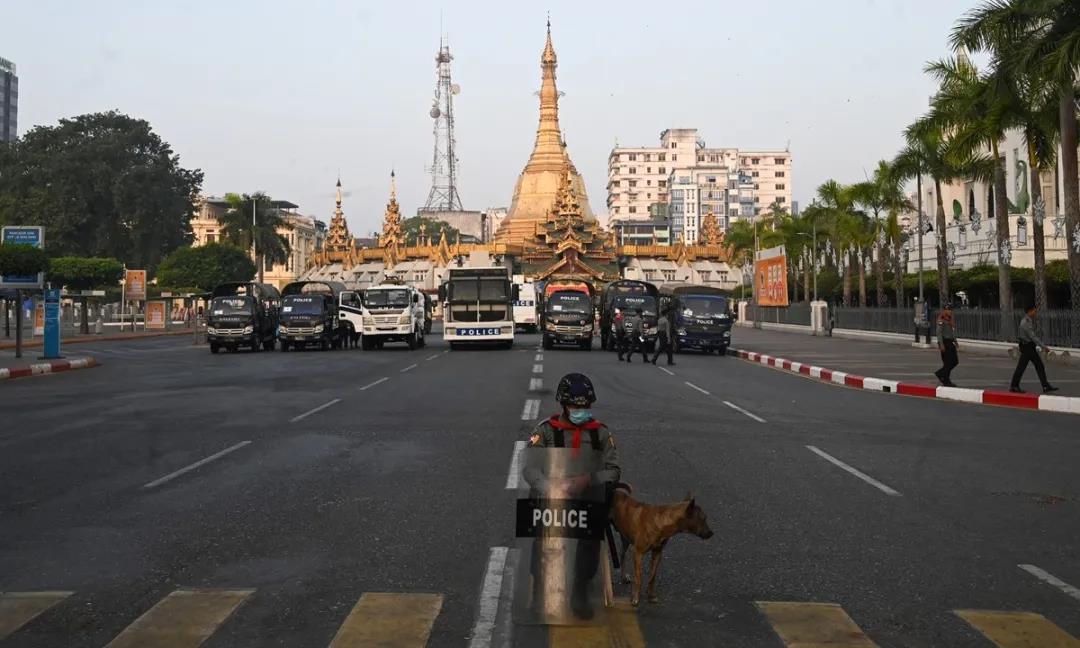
{"x":648,"y":528}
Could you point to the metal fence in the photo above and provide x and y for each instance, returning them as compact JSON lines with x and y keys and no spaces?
{"x":888,"y":320}
{"x":793,"y":314}
{"x":1055,"y":327}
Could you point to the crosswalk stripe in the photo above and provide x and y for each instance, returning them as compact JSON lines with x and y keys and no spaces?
{"x":183,"y":619}
{"x":808,"y":625}
{"x":1018,"y":629}
{"x":389,"y":620}
{"x":19,"y":608}
{"x":620,"y":631}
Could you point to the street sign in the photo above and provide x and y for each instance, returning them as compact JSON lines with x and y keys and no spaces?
{"x":23,"y":235}
{"x":135,"y":285}
{"x":52,"y":324}
{"x":155,"y":315}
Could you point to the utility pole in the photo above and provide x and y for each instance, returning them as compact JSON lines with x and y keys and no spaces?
{"x":814,"y":224}
{"x":918,"y":184}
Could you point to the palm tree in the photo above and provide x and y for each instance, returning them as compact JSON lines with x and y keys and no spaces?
{"x":881,"y":194}
{"x":1037,"y":45}
{"x":239,"y":227}
{"x":842,"y":228}
{"x":895,"y":235}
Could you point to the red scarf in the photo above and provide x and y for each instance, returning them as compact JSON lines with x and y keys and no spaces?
{"x":575,"y":441}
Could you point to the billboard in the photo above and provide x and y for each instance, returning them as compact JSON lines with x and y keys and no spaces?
{"x":23,"y":235}
{"x":135,"y":285}
{"x":155,"y":315}
{"x":770,"y":277}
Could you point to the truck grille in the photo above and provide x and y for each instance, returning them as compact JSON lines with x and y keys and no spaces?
{"x":298,"y":330}
{"x":568,"y":330}
{"x":385,"y":320}
{"x":238,"y":331}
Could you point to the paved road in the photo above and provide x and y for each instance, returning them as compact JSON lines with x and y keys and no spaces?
{"x":350,"y":493}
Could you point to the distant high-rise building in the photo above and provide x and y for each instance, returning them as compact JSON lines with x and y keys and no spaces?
{"x":9,"y":101}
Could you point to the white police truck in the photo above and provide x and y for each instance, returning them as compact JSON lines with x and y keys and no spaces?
{"x":478,"y":306}
{"x":392,"y":312}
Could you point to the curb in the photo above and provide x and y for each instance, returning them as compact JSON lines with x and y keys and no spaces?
{"x":48,"y":368}
{"x":1064,"y":404}
{"x":32,"y":344}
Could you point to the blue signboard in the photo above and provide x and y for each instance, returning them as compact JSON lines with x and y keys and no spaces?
{"x":52,"y":324}
{"x":22,"y":235}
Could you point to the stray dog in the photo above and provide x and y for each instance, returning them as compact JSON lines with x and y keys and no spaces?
{"x":648,"y":528}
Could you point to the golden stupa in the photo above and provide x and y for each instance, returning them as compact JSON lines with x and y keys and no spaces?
{"x":548,"y":166}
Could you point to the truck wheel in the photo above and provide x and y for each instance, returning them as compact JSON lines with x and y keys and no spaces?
{"x":412,"y":340}
{"x":365,"y":343}
{"x":454,"y":346}
{"x":214,"y":347}
{"x":284,"y":346}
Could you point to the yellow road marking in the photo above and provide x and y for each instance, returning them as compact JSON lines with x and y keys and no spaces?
{"x":19,"y":608}
{"x":183,"y":619}
{"x":813,"y":625}
{"x":1018,"y":629}
{"x":620,"y":631}
{"x":389,"y":620}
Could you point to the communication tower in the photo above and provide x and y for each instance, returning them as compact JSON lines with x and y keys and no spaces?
{"x":444,"y":194}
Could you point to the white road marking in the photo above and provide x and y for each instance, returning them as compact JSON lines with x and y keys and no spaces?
{"x":693,"y":386}
{"x":513,"y":478}
{"x":742,"y":411}
{"x":312,"y":411}
{"x":489,"y":599}
{"x":202,"y":462}
{"x":370,"y":385}
{"x":531,"y":410}
{"x":1050,"y":579}
{"x":667,"y":371}
{"x":854,"y":471}
{"x":538,"y":368}
{"x":432,"y":357}
{"x":536,"y":384}
{"x":409,"y":368}
{"x":539,"y":357}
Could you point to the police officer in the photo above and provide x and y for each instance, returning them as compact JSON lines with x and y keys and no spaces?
{"x":620,"y":332}
{"x":663,"y":337}
{"x":947,"y":345}
{"x":575,"y":427}
{"x":1029,"y":344}
{"x":637,"y":342}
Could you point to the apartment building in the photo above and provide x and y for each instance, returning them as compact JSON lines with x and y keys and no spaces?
{"x":694,"y":179}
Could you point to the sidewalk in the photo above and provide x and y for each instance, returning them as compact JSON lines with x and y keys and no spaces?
{"x":899,"y":363}
{"x":31,"y":343}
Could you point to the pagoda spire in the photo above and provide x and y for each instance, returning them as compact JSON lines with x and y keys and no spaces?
{"x":338,"y":238}
{"x":548,"y":151}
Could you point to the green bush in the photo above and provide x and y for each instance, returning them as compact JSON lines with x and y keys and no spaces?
{"x":205,"y":267}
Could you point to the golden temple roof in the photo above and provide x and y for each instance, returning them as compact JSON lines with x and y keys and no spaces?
{"x":538,"y":184}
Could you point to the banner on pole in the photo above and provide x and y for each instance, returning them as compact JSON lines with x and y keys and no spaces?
{"x":155,"y":315}
{"x":770,"y":277}
{"x":23,"y":235}
{"x":135,"y":285}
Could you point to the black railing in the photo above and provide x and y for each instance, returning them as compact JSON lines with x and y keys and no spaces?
{"x":793,"y":314}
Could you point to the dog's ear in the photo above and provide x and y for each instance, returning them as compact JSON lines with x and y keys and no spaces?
{"x":690,"y":505}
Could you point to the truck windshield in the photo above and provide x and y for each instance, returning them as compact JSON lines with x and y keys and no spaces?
{"x":570,"y":302}
{"x":494,"y":290}
{"x":231,"y":306}
{"x":396,"y":298}
{"x":295,"y":305}
{"x":629,"y":302}
{"x":704,"y":306}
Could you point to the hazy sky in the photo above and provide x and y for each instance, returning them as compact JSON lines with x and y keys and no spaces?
{"x":282,"y":96}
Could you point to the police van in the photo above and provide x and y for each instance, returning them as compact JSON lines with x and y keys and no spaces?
{"x":525,"y":306}
{"x":393,"y":312}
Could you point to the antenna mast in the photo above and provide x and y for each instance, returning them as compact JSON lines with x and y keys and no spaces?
{"x":444,"y":194}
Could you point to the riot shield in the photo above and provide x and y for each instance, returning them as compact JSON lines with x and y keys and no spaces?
{"x":562,"y":513}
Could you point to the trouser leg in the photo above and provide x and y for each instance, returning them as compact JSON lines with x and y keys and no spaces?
{"x":1021,"y":366}
{"x":1040,"y":368}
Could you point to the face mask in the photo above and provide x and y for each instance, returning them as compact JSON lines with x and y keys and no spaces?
{"x":580,"y":416}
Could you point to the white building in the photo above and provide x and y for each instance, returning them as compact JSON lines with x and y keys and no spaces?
{"x":695,"y":179}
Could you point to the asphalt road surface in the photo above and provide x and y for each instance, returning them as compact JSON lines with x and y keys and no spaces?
{"x":172,"y":497}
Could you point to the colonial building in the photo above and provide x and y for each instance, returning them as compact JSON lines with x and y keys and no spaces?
{"x":548,"y":232}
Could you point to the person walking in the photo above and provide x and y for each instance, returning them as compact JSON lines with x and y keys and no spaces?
{"x":619,"y":323}
{"x":1030,"y":344}
{"x":947,"y":345}
{"x":637,"y":341}
{"x":663,"y":338}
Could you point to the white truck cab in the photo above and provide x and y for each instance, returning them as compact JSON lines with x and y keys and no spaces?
{"x":392,"y":313}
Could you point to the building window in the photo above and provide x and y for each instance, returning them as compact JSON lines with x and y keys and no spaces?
{"x":663,"y":170}
{"x":661,"y":183}
{"x":648,"y":183}
{"x":662,"y":158}
{"x":781,"y":199}
{"x":633,"y":157}
{"x":756,"y":185}
{"x":673,"y":145}
{"x":723,"y":276}
{"x":757,"y":199}
{"x":210,"y":238}
{"x":757,"y":210}
{"x":755,"y":160}
{"x":753,"y":174}
{"x":617,"y":183}
{"x":648,"y":169}
{"x":648,"y":157}
{"x":633,"y":209}
{"x":780,"y":186}
{"x":745,"y":161}
{"x":674,"y":158}
{"x":779,"y":160}
{"x":649,"y":196}
{"x":705,"y":275}
{"x":780,"y":174}
{"x":633,"y":169}
{"x":420,"y":276}
{"x":633,"y":183}
{"x":701,"y":158}
{"x":733,"y":213}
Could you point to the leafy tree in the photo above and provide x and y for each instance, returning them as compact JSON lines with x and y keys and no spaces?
{"x":81,"y":273}
{"x":410,"y":229}
{"x":236,"y":225}
{"x":17,"y":259}
{"x":103,"y":185}
{"x":205,"y":266}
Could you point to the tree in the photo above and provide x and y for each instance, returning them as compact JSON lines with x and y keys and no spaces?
{"x":1036,"y":43}
{"x":237,"y":225}
{"x":81,"y":273}
{"x":103,"y":185}
{"x":17,"y":259}
{"x":204,"y":267}
{"x":410,"y":229}
{"x":881,"y":194}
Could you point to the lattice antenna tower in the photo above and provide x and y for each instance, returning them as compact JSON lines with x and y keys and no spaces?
{"x":444,"y":194}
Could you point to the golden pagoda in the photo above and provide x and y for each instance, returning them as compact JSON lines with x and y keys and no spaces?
{"x":549,"y":164}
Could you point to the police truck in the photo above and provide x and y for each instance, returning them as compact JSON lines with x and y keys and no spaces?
{"x":393,"y":312}
{"x":478,"y":306}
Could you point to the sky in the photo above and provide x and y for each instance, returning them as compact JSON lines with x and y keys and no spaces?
{"x":285,"y":96}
